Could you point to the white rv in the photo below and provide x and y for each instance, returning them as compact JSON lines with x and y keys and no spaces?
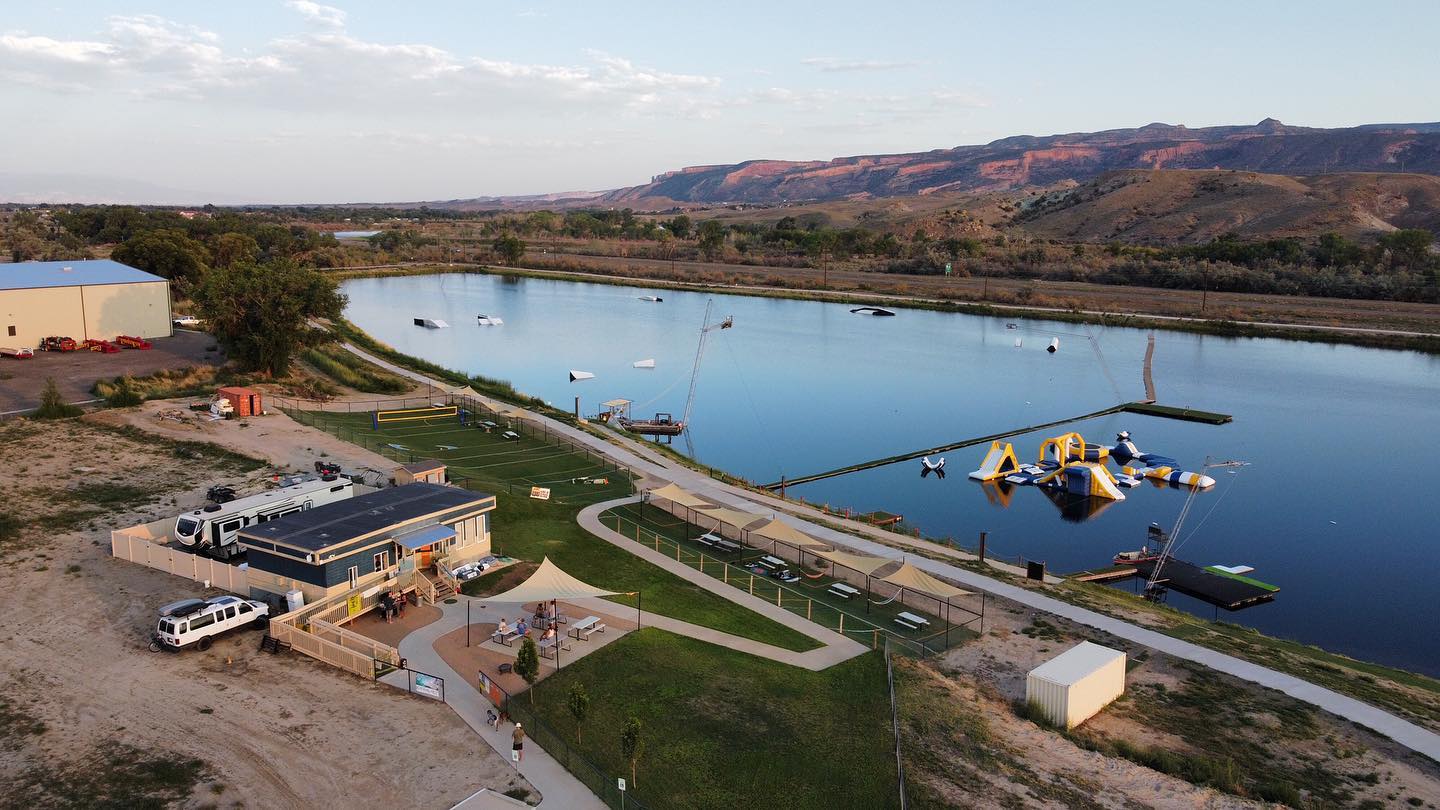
{"x":195,"y":621}
{"x":213,"y":528}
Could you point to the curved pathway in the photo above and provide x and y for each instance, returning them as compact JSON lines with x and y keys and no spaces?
{"x":618,"y":447}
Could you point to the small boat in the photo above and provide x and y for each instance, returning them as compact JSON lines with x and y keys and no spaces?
{"x":1012,"y":326}
{"x":653,"y":298}
{"x":872,"y":311}
{"x":649,"y":363}
{"x":488,"y":320}
{"x":431,"y":323}
{"x":1054,"y":345}
{"x":1144,"y":555}
{"x":580,"y":375}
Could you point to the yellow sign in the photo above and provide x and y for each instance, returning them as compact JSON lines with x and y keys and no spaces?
{"x":540,"y":493}
{"x":354,"y":604}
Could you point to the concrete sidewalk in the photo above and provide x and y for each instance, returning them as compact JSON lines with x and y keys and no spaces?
{"x":558,"y":788}
{"x":1401,"y":731}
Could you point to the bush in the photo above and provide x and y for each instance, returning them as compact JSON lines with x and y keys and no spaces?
{"x":123,"y":394}
{"x":52,"y":404}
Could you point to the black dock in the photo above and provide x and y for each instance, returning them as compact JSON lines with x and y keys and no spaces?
{"x":1192,"y":580}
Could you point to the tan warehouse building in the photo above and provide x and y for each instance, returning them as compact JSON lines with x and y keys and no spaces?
{"x":98,"y":299}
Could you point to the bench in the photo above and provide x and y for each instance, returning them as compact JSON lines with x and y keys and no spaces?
{"x":583,"y":628}
{"x":911,"y":621}
{"x":727,"y":546}
{"x":548,"y":646}
{"x":771,"y":563}
{"x":843,"y":591}
{"x":504,"y":638}
{"x":511,"y":435}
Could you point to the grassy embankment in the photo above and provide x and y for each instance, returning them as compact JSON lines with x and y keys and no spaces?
{"x":352,"y":372}
{"x":722,"y":729}
{"x":1411,"y":695}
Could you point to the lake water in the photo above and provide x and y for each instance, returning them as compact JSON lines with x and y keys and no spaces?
{"x":1337,"y":507}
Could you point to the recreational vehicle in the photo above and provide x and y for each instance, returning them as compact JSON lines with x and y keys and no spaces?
{"x":213,"y":528}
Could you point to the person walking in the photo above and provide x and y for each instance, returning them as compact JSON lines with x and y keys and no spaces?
{"x":517,"y":743}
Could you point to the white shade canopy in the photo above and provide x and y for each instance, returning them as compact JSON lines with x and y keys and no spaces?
{"x":547,"y":583}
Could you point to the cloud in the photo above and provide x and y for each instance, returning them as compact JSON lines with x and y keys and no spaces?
{"x":832,"y":64}
{"x":322,"y":15}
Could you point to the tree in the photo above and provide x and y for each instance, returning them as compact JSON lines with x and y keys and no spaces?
{"x":1408,"y":246}
{"x":166,"y":253}
{"x":261,"y":313}
{"x":527,"y":664}
{"x":712,"y":238}
{"x":231,"y":248}
{"x":510,"y":248}
{"x":53,"y":405}
{"x":579,"y":703}
{"x":680,"y":226}
{"x":632,"y":744}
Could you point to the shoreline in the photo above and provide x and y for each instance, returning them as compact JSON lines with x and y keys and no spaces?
{"x":1365,"y":337}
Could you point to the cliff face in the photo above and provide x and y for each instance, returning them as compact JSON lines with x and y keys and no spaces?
{"x":1268,"y":147}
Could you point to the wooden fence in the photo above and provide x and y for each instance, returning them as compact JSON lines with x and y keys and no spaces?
{"x":146,"y":544}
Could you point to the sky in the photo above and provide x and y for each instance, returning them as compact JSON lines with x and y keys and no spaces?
{"x":292,"y":101}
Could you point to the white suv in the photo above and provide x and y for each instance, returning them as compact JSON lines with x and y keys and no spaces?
{"x":196,"y":621}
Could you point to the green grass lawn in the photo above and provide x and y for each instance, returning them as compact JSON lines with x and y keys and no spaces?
{"x":808,"y":597}
{"x":724,"y":729}
{"x":532,"y":530}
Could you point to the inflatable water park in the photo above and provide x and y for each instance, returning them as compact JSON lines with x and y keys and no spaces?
{"x":1067,"y":463}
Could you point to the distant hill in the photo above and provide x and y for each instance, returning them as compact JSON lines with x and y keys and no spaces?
{"x":1166,"y":207}
{"x":1268,"y":147}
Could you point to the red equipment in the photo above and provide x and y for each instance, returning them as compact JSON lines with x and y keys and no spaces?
{"x":131,"y":342}
{"x":58,"y":344}
{"x":103,"y":346}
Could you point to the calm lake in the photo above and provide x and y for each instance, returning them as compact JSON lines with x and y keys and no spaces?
{"x":1337,"y":506}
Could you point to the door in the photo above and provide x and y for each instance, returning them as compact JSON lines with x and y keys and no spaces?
{"x":423,"y":555}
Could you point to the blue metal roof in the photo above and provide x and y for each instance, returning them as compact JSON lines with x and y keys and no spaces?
{"x":33,"y":275}
{"x":427,"y":536}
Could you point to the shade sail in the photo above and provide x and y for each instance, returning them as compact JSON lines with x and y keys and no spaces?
{"x":908,"y":576}
{"x":863,"y":563}
{"x":675,"y":494}
{"x":548,"y":582}
{"x":427,"y":536}
{"x":710,"y":518}
{"x":785,"y":533}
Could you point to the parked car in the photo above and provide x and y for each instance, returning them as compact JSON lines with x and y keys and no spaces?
{"x":199,"y":621}
{"x":17,"y":352}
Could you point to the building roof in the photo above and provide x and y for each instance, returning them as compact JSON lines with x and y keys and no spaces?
{"x":342,"y":521}
{"x":35,"y":275}
{"x":1076,"y":663}
{"x":427,"y":465}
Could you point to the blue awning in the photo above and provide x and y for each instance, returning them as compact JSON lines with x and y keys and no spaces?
{"x":425,"y":537}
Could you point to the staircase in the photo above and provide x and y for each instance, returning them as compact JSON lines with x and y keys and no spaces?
{"x":273,"y":645}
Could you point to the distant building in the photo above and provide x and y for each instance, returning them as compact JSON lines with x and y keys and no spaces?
{"x":85,"y":299}
{"x":368,"y":540}
{"x":430,"y":471}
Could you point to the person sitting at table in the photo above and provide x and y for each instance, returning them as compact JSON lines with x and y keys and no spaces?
{"x":521,"y":627}
{"x":549,"y":634}
{"x":503,"y":629}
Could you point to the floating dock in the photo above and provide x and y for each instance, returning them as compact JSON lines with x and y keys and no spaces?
{"x":1228,"y":591}
{"x":1171,"y":412}
{"x":1114,"y":573}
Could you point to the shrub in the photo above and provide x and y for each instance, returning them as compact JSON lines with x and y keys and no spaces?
{"x":53,"y":405}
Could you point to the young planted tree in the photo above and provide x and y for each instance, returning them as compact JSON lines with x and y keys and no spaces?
{"x":53,"y":405}
{"x":527,"y":664}
{"x":579,"y":703}
{"x":632,"y":744}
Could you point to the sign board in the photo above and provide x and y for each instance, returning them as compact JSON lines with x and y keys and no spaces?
{"x":354,"y":604}
{"x":540,"y":493}
{"x":620,"y":783}
{"x":429,"y":686}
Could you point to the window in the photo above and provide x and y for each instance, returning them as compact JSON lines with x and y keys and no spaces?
{"x":203,"y":620}
{"x":382,"y":561}
{"x":354,"y":576}
{"x":12,"y":331}
{"x":245,"y":608}
{"x":230,"y":612}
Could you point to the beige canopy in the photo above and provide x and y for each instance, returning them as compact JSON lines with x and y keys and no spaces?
{"x":675,"y":494}
{"x":785,"y":533}
{"x":548,"y":582}
{"x":863,"y":563}
{"x":511,"y":413}
{"x":733,"y":517}
{"x":908,"y":576}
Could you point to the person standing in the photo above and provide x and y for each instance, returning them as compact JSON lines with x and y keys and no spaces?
{"x":517,"y":743}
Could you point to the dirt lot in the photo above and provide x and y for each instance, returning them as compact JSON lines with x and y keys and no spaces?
{"x":965,"y":739}
{"x":75,"y":372}
{"x":90,"y":717}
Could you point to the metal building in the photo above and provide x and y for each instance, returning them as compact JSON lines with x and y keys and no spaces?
{"x":1071,"y":687}
{"x":99,"y":299}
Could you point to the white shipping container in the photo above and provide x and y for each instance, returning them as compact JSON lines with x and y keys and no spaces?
{"x":1073,"y":686}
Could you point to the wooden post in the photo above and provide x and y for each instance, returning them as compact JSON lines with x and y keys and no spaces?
{"x":982,"y":545}
{"x":725,"y":574}
{"x":778,"y":591}
{"x":875,"y":639}
{"x":842,"y":623}
{"x":752,"y":584}
{"x":809,"y":606}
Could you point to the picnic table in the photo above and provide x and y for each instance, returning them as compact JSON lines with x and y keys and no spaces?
{"x":911,"y":621}
{"x":770,"y":562}
{"x":586,"y":626}
{"x":727,"y":546}
{"x":505,"y":638}
{"x":548,"y":646}
{"x":709,"y":539}
{"x":511,"y":435}
{"x":843,"y":591}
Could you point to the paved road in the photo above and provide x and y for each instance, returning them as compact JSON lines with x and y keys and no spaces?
{"x":620,"y":447}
